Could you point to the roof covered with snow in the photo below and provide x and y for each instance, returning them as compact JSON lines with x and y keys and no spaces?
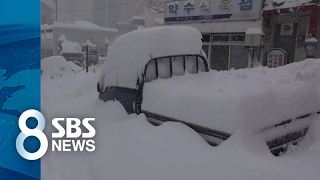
{"x":129,"y":54}
{"x":280,"y":4}
{"x":89,"y":43}
{"x":83,"y":25}
{"x":137,"y":18}
{"x":87,"y":24}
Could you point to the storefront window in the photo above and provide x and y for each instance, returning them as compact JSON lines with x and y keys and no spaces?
{"x":206,"y":38}
{"x":239,"y":57}
{"x":237,"y":38}
{"x":218,"y":38}
{"x":219,"y":58}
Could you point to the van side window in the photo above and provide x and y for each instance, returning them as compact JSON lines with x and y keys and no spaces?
{"x":164,"y":68}
{"x":177,"y":66}
{"x":151,"y":71}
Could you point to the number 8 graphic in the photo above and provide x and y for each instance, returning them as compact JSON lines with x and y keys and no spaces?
{"x":37,"y":132}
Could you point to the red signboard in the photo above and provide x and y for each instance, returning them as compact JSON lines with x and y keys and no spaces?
{"x":276,"y":57}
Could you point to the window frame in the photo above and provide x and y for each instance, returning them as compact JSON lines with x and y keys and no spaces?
{"x":198,"y":58}
{"x":231,"y":42}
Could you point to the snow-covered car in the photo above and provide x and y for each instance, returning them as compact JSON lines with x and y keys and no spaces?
{"x":163,"y":73}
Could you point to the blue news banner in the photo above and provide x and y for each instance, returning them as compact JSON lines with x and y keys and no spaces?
{"x":19,"y":84}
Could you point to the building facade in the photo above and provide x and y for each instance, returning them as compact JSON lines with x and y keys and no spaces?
{"x":290,"y":26}
{"x":47,"y":13}
{"x":225,"y":24}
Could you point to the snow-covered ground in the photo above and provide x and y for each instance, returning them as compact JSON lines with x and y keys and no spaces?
{"x":130,"y":148}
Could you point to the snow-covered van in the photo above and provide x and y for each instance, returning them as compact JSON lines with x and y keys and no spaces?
{"x":163,"y":73}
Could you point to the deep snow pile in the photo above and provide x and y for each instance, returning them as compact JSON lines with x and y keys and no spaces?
{"x":129,"y":54}
{"x":130,"y":148}
{"x":310,"y":143}
{"x":305,"y":71}
{"x":74,"y":66}
{"x":55,"y":66}
{"x":223,"y":101}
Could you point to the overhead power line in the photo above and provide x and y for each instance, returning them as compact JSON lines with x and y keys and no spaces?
{"x":73,"y":4}
{"x":105,"y":7}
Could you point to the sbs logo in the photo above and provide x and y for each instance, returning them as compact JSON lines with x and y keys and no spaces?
{"x":66,"y":137}
{"x":37,"y":132}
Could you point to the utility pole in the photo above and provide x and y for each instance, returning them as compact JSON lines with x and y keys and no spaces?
{"x":56,"y":9}
{"x":87,"y":61}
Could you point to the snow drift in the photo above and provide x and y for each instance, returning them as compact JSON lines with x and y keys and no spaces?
{"x":130,"y":148}
{"x":55,"y":66}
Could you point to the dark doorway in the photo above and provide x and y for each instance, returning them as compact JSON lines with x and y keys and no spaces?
{"x":286,"y":38}
{"x":219,"y":59}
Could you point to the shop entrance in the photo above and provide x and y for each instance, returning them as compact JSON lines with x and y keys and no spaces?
{"x":225,"y":51}
{"x":285,"y":38}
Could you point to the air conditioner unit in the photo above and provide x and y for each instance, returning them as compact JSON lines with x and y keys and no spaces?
{"x":254,"y":37}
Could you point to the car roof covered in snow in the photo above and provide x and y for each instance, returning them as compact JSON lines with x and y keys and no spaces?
{"x":129,"y":54}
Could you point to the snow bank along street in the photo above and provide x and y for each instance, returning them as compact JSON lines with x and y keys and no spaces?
{"x":129,"y":147}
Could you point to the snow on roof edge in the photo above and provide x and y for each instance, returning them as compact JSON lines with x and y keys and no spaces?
{"x":287,"y":4}
{"x":86,"y":23}
{"x":137,"y":18}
